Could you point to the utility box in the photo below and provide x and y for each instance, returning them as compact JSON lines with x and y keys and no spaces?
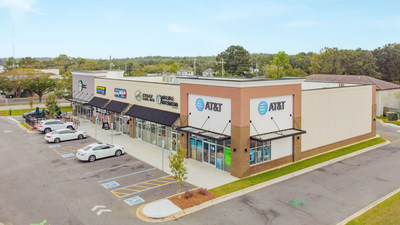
{"x":392,"y":116}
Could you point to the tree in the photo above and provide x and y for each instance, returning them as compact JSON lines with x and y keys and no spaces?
{"x":52,"y":105}
{"x":64,"y":86}
{"x":11,"y":63}
{"x":63,"y":61}
{"x":5,"y":84}
{"x":388,"y":61}
{"x":40,"y":85}
{"x":236,"y":60}
{"x":177,"y":165}
{"x":173,"y":68}
{"x":281,"y":60}
{"x":327,"y":62}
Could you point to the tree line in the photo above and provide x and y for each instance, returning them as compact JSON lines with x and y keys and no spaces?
{"x":235,"y":61}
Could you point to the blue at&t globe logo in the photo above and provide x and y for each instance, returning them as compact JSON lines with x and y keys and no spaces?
{"x":199,"y":104}
{"x":262,"y":107}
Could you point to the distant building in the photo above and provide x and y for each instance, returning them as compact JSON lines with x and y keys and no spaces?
{"x":185,"y":73}
{"x":208,"y":72}
{"x":387,"y":93}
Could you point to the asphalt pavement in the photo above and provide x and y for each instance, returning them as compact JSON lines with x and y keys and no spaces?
{"x":42,"y":181}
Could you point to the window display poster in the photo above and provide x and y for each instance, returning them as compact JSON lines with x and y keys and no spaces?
{"x":219,"y":163}
{"x":227,"y":156}
{"x":251,"y":155}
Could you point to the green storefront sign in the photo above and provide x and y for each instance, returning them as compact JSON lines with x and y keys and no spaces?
{"x":227,"y":156}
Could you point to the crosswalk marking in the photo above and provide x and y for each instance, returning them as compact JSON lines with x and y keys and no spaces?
{"x":143,"y":186}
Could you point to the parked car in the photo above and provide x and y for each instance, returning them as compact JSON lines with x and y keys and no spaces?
{"x":33,"y":113}
{"x":64,"y":135}
{"x":98,"y":150}
{"x":49,"y":125}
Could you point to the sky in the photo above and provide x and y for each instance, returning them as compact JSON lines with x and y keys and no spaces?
{"x":132,"y":28}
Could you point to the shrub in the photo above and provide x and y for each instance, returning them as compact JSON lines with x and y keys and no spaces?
{"x":188,"y":194}
{"x":203,"y":191}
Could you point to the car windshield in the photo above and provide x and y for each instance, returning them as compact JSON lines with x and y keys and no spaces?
{"x":87,"y":148}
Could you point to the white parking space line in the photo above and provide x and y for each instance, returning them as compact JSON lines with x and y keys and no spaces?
{"x":130,"y":174}
{"x":110,"y":168}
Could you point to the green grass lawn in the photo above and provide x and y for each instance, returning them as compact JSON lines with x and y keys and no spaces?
{"x":269,"y":175}
{"x":26,"y":125}
{"x":384,"y":119}
{"x":19,"y":112}
{"x":386,"y":212}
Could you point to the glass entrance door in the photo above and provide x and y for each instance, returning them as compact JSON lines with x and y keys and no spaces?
{"x":199,"y":150}
{"x":212,"y":154}
{"x":206,"y":152}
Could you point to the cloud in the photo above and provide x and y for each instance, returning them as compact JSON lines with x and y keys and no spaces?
{"x":19,"y":7}
{"x":179,"y":28}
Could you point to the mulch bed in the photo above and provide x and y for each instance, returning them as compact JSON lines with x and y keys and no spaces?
{"x":195,"y":199}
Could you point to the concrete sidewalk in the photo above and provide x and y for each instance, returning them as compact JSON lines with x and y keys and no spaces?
{"x":200,"y":174}
{"x":40,"y":105}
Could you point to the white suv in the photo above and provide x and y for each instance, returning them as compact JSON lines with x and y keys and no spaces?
{"x":49,"y":125}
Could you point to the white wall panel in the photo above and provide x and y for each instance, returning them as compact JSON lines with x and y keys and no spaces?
{"x":333,"y":115}
{"x":281,"y":148}
{"x":218,"y":119}
{"x":263,"y":122}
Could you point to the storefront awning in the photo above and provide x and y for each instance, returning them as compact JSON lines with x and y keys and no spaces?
{"x":116,"y":106}
{"x":153,"y":115}
{"x":98,"y":102}
{"x":77,"y":100}
{"x":204,"y":133}
{"x":277,"y":134}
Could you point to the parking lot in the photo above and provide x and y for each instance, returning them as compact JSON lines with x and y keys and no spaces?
{"x":121,"y":184}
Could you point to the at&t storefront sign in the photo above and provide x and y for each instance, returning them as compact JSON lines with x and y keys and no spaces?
{"x":273,"y":106}
{"x":210,"y":106}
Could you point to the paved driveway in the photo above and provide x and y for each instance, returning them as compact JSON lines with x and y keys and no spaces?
{"x":41,"y":181}
{"x":331,"y":193}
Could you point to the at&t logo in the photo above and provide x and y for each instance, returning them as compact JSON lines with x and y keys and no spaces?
{"x":199,"y":104}
{"x":262,"y":107}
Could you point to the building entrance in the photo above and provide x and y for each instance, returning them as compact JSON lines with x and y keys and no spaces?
{"x":212,"y":152}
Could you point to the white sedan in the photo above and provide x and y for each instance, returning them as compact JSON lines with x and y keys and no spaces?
{"x":64,"y":135}
{"x":98,"y":150}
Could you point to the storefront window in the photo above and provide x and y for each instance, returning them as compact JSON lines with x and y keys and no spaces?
{"x":259,"y":152}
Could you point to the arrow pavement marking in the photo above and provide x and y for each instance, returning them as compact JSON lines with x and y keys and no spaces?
{"x":42,"y":223}
{"x":98,"y":206}
{"x":103,"y":210}
{"x":297,"y":201}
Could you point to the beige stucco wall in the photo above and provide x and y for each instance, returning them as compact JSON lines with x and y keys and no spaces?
{"x":388,"y":98}
{"x":144,"y":87}
{"x":333,"y":115}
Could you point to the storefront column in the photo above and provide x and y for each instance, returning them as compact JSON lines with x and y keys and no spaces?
{"x":183,"y":137}
{"x":297,"y":140}
{"x":240,"y":151}
{"x":131,"y":127}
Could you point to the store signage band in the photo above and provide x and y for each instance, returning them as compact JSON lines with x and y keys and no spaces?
{"x":101,"y":90}
{"x":81,"y":85}
{"x":263,"y":107}
{"x":160,"y":99}
{"x":120,"y":93}
{"x":210,"y":106}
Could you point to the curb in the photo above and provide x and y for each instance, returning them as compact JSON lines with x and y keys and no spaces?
{"x":368,"y":207}
{"x":255,"y":187}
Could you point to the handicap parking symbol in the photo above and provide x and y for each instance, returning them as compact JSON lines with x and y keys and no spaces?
{"x":111,"y":184}
{"x":68,"y":155}
{"x":54,"y":146}
{"x":134,"y":200}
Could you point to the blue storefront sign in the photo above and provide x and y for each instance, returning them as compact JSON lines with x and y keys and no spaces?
{"x":120,"y":93}
{"x":251,"y":155}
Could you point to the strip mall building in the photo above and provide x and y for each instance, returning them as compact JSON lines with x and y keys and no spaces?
{"x":242,"y":126}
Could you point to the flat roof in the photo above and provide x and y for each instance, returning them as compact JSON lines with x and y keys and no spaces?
{"x":240,"y":82}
